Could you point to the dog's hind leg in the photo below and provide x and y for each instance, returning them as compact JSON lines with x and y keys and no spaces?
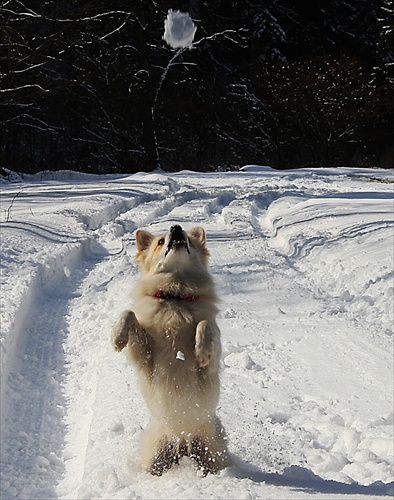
{"x":205,"y":460}
{"x":159,"y":452}
{"x":163,"y":458}
{"x":209,"y":449}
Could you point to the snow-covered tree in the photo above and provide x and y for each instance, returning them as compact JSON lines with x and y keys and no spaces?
{"x":94,"y":86}
{"x":387,"y":43}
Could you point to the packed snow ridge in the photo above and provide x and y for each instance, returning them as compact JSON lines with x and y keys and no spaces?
{"x":303,"y":262}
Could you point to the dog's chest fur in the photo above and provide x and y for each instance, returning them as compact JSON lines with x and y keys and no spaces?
{"x":173,"y":345}
{"x":176,"y":390}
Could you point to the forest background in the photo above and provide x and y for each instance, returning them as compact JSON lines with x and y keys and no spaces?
{"x":90,"y":85}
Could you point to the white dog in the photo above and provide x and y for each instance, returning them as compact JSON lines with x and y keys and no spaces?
{"x":173,"y":339}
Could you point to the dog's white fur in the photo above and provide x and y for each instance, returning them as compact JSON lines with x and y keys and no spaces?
{"x":174,"y":341}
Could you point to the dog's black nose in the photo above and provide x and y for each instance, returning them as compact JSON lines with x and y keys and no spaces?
{"x":177,"y":239}
{"x":176,"y":231}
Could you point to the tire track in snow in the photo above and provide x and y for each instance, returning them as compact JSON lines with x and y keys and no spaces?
{"x":94,"y":368}
{"x":106,"y":410}
{"x":200,"y":205}
{"x":235,"y":208}
{"x":150,"y":209}
{"x":33,"y":404}
{"x":129,"y":200}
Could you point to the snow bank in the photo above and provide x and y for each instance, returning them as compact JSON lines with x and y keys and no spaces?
{"x":255,"y":168}
{"x":65,"y":175}
{"x":7,"y":175}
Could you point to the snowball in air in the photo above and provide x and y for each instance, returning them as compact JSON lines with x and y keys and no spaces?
{"x":179,"y":29}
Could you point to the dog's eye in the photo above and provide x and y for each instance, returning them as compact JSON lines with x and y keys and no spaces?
{"x":160,"y":242}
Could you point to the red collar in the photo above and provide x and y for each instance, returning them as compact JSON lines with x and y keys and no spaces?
{"x":161,"y":294}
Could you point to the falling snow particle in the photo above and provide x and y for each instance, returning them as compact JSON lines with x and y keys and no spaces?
{"x":180,"y":355}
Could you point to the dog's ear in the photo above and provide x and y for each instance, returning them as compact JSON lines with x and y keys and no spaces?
{"x":198,"y":234}
{"x":144,"y":239}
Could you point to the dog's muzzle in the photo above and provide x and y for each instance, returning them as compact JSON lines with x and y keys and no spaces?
{"x":177,"y":239}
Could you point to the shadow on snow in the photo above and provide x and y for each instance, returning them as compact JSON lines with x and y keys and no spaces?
{"x":300,"y":478}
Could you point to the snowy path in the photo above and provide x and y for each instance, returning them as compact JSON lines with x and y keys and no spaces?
{"x":303,"y":263}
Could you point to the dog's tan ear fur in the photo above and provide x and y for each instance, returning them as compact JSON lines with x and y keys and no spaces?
{"x":198,"y":234}
{"x":144,"y":239}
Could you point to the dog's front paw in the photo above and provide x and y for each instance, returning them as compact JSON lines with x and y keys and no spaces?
{"x":204,"y":344}
{"x":120,"y":332}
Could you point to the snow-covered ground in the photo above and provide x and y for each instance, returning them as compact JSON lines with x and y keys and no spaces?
{"x":303,"y":262}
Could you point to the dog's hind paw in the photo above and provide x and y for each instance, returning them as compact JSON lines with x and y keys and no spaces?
{"x":204,"y":343}
{"x":120,"y":332}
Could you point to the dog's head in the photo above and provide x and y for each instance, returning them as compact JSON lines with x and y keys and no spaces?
{"x":175,"y":250}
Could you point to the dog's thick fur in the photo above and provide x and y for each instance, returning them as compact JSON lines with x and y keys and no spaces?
{"x":174,"y":341}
